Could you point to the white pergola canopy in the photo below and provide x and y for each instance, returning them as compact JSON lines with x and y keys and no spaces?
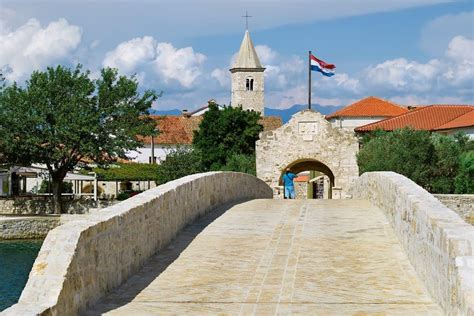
{"x":42,"y":173}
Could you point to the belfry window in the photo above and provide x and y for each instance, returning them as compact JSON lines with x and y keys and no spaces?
{"x":249,"y":84}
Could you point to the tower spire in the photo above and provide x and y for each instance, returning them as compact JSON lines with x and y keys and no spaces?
{"x":247,"y":57}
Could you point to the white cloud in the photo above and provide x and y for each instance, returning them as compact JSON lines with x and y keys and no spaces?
{"x":344,"y":81}
{"x":461,"y":49}
{"x":222,"y":76}
{"x":265,"y":54}
{"x":460,"y":67}
{"x":437,"y":77}
{"x":32,"y":47}
{"x":282,"y":99}
{"x":183,"y":65}
{"x":127,"y":56}
{"x":401,"y":74}
{"x":147,"y":56}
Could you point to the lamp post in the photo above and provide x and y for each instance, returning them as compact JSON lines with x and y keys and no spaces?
{"x":152,"y":149}
{"x":155,"y":132}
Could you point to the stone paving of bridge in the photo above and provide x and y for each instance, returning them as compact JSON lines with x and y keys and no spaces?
{"x":266,"y":257}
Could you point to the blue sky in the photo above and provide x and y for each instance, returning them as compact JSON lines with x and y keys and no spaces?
{"x":408,"y":51}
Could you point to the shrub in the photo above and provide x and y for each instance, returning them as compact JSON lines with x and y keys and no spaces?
{"x":127,"y":172}
{"x":464,"y":182}
{"x":241,"y":163}
{"x":444,"y":171}
{"x":407,"y":152}
{"x":436,"y":162}
{"x":179,"y":163}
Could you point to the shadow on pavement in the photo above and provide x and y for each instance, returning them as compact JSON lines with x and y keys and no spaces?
{"x":158,"y":263}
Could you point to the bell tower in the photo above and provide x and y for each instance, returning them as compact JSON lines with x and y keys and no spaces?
{"x":247,"y":78}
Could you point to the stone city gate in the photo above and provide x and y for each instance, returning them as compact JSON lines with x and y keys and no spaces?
{"x":308,"y":142}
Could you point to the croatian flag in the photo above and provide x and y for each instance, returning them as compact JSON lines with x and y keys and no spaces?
{"x":324,"y":68}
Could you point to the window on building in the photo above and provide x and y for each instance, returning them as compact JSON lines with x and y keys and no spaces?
{"x":249,"y":84}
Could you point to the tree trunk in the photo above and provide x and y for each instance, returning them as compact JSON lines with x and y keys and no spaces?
{"x":57,"y":201}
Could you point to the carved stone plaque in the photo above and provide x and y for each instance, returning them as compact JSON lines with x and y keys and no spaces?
{"x":308,"y":128}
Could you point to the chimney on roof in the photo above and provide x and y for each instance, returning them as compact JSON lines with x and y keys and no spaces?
{"x":185,"y":113}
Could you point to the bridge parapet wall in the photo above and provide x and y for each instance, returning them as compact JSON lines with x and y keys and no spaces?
{"x":438,"y":242}
{"x":81,"y":261}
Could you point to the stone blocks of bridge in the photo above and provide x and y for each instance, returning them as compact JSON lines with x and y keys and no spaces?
{"x":276,"y":257}
{"x":438,"y":242}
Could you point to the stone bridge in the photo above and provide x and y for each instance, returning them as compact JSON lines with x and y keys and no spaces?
{"x":217,"y":243}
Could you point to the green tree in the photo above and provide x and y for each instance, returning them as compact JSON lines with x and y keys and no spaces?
{"x":241,"y":163}
{"x":464,"y":182}
{"x":224,"y":133}
{"x":179,"y":163}
{"x":448,"y":149}
{"x":126,"y":172}
{"x":61,"y":117}
{"x":405,"y":151}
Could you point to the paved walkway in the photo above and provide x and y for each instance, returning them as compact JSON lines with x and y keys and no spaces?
{"x":315,"y":257}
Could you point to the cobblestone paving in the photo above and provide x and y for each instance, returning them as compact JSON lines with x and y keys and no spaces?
{"x":272,"y":257}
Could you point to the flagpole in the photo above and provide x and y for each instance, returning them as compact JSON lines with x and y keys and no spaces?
{"x":309,"y":80}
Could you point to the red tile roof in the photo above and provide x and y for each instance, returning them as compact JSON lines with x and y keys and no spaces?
{"x":271,"y":123}
{"x":369,"y":107}
{"x":302,"y":178}
{"x":179,"y":129}
{"x":174,"y":130}
{"x":465,"y":120}
{"x":424,"y":118}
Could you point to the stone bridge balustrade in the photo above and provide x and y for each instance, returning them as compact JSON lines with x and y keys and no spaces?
{"x":439,"y":244}
{"x":83,"y":260}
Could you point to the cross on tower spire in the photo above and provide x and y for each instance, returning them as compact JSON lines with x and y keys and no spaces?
{"x":246,"y":16}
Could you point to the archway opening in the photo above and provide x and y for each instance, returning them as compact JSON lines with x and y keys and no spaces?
{"x":315,"y":179}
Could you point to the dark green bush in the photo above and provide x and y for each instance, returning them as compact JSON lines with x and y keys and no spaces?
{"x":127,"y":172}
{"x":464,"y":181}
{"x":436,"y":162}
{"x":179,"y":163}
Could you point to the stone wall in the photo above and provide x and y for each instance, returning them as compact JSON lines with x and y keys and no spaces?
{"x":463,"y":204}
{"x":301,"y":190}
{"x":249,"y":100}
{"x":27,"y":227}
{"x":308,"y":138}
{"x":83,"y":260}
{"x":437,"y":241}
{"x":43,"y":205}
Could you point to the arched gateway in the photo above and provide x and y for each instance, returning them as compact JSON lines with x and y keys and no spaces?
{"x":308,"y":142}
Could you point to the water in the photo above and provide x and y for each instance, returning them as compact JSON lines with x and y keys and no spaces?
{"x":16,"y":259}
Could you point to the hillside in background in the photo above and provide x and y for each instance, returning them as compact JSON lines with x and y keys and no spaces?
{"x":285,"y":114}
{"x":165,"y":112}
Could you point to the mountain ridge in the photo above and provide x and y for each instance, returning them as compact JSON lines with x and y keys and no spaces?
{"x":285,"y":114}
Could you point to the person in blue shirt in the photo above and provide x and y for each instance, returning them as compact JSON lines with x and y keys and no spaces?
{"x":288,"y":183}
